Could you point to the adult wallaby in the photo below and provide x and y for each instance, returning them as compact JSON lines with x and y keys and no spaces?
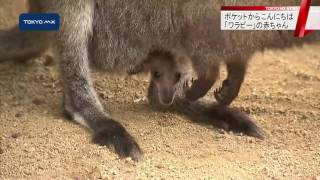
{"x":117,"y":35}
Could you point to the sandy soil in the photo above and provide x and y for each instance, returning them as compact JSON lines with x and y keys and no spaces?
{"x":281,"y":91}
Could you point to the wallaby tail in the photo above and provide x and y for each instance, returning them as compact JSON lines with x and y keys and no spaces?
{"x":21,"y":45}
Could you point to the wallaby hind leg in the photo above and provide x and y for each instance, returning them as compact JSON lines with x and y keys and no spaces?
{"x":231,"y":86}
{"x":80,"y":99}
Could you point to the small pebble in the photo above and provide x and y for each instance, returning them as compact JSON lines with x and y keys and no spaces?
{"x":159,"y":166}
{"x":49,"y":61}
{"x":37,"y":101}
{"x":15,"y":135}
{"x":18,"y":115}
{"x":128,"y":160}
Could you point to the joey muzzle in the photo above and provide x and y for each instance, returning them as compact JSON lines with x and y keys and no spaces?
{"x":166,"y":96}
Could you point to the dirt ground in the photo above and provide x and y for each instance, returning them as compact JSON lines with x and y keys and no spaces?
{"x":281,"y":91}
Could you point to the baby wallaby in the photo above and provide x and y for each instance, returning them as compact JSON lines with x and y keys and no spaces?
{"x":170,"y":75}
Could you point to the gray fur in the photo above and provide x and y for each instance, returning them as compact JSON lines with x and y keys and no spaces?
{"x":117,"y":35}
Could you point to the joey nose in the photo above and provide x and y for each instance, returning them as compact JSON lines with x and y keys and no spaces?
{"x":166,"y":97}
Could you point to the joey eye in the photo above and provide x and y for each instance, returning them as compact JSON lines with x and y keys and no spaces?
{"x":178,"y":76}
{"x":156,"y":75}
